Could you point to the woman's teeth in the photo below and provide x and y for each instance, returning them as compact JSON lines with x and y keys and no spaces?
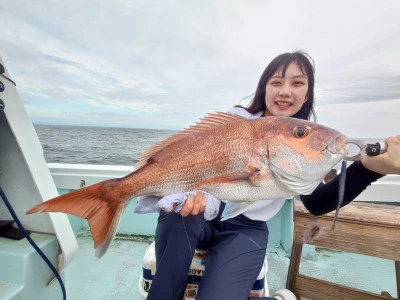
{"x":283,"y":103}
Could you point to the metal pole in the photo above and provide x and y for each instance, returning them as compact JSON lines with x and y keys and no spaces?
{"x":397,"y":266}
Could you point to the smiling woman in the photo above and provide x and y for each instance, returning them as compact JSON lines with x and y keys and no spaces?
{"x":286,"y":92}
{"x":286,"y":87}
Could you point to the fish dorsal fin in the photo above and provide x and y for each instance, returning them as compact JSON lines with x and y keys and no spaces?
{"x":209,"y":121}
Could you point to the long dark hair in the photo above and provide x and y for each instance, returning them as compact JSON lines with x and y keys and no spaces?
{"x":306,"y":65}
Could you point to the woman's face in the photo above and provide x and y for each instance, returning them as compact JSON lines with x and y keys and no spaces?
{"x":284,"y":96}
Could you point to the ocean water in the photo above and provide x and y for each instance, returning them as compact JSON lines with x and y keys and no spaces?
{"x":96,"y":145}
{"x":104,"y":145}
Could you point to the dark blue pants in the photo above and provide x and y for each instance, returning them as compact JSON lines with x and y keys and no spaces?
{"x":237,"y":249}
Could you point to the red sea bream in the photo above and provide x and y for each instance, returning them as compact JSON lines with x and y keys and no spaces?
{"x":231,"y":157}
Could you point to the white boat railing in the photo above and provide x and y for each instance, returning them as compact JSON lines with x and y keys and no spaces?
{"x":75,"y":176}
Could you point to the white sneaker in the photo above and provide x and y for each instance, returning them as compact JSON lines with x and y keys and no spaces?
{"x":284,"y":294}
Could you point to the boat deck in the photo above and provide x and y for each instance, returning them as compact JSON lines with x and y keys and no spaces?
{"x":116,"y":275}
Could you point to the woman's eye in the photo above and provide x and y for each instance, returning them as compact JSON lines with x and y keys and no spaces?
{"x":300,"y":131}
{"x":298,"y":83}
{"x":275,"y":82}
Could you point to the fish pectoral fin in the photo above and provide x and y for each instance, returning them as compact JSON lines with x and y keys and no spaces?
{"x":254,"y":177}
{"x":235,"y":208}
{"x":259,"y":178}
{"x":229,"y":178}
{"x":259,"y":173}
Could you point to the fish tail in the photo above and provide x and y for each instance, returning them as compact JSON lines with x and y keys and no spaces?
{"x":102,"y":204}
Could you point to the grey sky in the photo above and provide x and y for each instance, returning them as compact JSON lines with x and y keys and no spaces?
{"x":165,"y":64}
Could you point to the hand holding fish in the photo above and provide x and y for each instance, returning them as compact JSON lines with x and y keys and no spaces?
{"x":194,"y":204}
{"x":388,"y":162}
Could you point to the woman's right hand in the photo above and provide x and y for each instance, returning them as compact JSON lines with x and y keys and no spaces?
{"x":194,"y":204}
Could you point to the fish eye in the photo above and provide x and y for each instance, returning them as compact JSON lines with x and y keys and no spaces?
{"x":300,"y":131}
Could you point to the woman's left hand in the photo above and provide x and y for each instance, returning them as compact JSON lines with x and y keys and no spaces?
{"x":388,"y":162}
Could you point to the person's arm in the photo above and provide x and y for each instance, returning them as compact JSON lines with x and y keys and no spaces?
{"x":359,"y":176}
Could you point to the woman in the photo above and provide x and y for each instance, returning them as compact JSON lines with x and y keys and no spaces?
{"x":237,"y":246}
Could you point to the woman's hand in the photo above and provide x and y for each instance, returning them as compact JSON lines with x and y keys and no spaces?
{"x":194,"y":204}
{"x":388,"y":162}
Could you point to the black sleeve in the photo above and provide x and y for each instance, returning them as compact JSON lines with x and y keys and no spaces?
{"x":325,"y":197}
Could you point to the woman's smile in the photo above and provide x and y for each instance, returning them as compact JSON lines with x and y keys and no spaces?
{"x":283,"y":104}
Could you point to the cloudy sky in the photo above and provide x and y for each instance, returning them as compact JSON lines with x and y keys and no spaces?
{"x":165,"y":64}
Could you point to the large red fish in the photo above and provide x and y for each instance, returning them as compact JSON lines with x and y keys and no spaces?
{"x":229,"y":156}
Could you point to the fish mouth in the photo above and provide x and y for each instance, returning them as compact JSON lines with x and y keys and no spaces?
{"x":338,"y":145}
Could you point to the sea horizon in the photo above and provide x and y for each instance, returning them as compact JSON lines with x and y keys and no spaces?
{"x":75,"y":144}
{"x":98,"y":145}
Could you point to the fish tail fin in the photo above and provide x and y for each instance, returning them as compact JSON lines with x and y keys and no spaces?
{"x":102,"y":204}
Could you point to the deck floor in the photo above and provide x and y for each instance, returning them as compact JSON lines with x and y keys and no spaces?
{"x":115,"y":276}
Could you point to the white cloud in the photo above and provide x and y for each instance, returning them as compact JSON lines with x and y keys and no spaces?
{"x":369,"y":119}
{"x":175,"y":61}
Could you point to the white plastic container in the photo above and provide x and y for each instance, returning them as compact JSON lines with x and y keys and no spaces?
{"x":195,"y":275}
{"x":149,"y":267}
